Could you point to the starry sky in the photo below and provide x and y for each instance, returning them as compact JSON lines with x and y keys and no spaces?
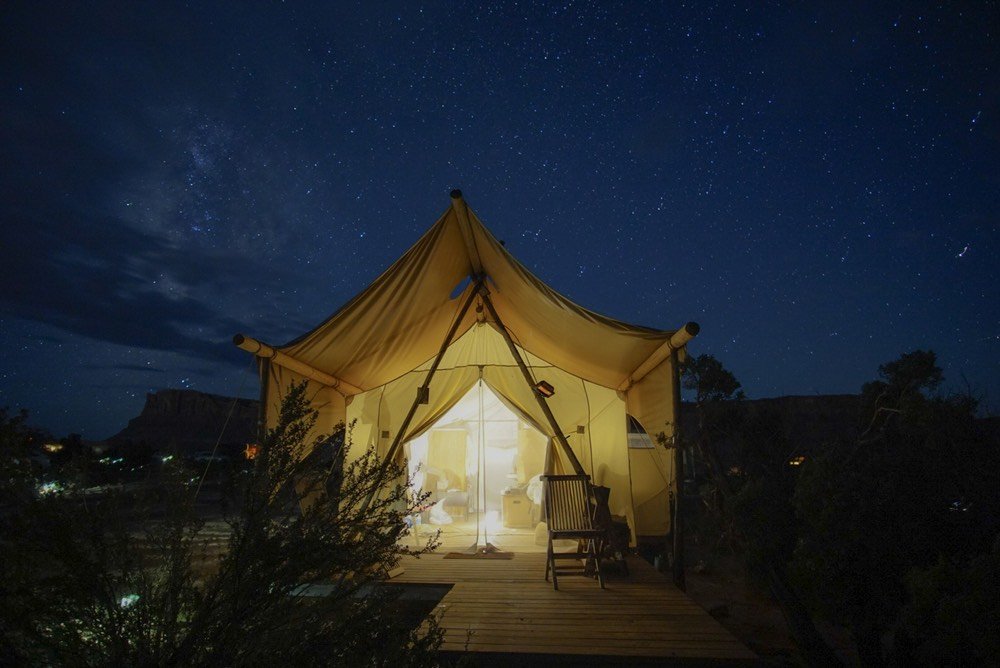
{"x":816,"y":184}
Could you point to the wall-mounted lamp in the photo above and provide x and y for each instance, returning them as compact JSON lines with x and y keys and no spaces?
{"x":544,"y":389}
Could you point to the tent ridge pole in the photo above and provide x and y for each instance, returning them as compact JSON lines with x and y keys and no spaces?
{"x":678,"y":340}
{"x":268,"y":352}
{"x":560,"y":437}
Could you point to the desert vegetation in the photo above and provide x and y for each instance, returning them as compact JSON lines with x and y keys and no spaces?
{"x":893,"y":534}
{"x":126,"y":577}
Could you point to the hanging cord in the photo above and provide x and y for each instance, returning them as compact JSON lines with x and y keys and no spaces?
{"x":229,"y":416}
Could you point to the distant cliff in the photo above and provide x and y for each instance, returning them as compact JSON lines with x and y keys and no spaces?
{"x":187,"y":421}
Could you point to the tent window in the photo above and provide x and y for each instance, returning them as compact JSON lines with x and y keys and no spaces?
{"x":637,"y":436}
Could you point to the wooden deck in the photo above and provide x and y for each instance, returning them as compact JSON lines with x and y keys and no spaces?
{"x":505,"y":607}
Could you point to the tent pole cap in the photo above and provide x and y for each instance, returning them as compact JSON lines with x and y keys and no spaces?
{"x":456,"y":194}
{"x":684,"y":334}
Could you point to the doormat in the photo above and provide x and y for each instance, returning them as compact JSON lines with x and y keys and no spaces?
{"x":490,"y":551}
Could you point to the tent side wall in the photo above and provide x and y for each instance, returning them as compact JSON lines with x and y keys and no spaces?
{"x":651,"y":402}
{"x":329,"y":403}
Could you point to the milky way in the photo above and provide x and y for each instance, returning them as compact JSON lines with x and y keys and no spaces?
{"x":817,"y":187}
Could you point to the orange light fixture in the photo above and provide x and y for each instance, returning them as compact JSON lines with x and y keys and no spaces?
{"x":545,"y":389}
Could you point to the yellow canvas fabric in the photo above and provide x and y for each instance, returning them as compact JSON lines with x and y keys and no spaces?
{"x":651,"y":402}
{"x":328,"y":403}
{"x":400,"y":320}
{"x":385,"y":339}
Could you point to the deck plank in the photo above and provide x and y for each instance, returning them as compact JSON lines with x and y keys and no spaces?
{"x":505,"y":606}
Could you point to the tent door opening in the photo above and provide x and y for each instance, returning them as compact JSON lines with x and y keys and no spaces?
{"x":480,"y":465}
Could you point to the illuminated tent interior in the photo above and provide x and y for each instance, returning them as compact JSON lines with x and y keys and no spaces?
{"x":438,"y":362}
{"x":480,"y":465}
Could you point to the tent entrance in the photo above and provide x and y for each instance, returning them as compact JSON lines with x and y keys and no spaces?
{"x":480,"y":465}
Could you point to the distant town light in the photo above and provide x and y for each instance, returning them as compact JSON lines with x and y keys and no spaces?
{"x":796,"y":461}
{"x":52,"y":447}
{"x":51,"y":487}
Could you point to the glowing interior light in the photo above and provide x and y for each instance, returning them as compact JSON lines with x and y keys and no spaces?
{"x":492,"y":522}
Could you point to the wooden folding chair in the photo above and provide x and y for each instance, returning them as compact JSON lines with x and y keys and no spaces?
{"x":568,"y":514}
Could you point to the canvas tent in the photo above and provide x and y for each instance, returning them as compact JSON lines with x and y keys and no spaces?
{"x":458,"y":309}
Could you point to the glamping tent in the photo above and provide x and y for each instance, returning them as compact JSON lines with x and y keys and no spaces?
{"x":482,"y":377}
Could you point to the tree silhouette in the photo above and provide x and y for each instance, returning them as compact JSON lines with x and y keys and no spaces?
{"x":126,"y":579}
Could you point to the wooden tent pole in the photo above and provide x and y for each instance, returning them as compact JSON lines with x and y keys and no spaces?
{"x":677,"y":522}
{"x":264,"y":351}
{"x":265,"y":381}
{"x":421,"y":393}
{"x":679,"y":339}
{"x":560,"y":437}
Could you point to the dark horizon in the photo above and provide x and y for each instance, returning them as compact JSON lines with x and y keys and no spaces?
{"x":816,"y":186}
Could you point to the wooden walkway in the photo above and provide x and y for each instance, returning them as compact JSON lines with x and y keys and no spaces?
{"x":505,"y":607}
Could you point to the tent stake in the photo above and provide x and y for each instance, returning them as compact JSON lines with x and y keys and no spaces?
{"x":560,"y":437}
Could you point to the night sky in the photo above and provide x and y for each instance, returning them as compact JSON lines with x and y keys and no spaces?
{"x":817,"y":185}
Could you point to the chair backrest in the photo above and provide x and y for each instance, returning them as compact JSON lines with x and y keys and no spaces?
{"x":567,"y":502}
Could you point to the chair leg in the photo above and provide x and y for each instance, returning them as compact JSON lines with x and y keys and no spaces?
{"x":597,"y":561}
{"x":550,"y":565}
